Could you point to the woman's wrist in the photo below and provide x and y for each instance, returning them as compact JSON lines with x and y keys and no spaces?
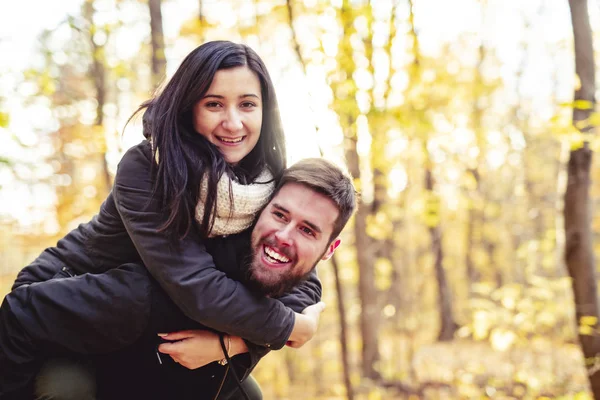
{"x":238,"y":346}
{"x":225,"y":342}
{"x":304,"y":329}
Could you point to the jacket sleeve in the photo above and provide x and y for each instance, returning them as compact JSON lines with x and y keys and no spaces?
{"x":67,"y":312}
{"x":186,"y":271}
{"x":43,"y":268}
{"x":305,"y":294}
{"x":35,"y":273}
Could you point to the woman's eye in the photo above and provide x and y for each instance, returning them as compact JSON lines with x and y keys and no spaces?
{"x":278,"y":215}
{"x":212,"y":104}
{"x":248,"y":104}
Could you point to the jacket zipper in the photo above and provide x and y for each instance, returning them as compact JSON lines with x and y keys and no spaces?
{"x":222,"y":383}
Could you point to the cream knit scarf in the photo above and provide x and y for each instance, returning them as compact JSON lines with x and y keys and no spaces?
{"x":237,"y":215}
{"x":248,"y":200}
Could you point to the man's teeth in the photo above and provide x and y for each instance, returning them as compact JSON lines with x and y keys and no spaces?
{"x":227,"y":140}
{"x":276,"y":256}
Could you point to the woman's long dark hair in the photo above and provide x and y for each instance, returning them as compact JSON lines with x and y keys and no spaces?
{"x":185,"y":156}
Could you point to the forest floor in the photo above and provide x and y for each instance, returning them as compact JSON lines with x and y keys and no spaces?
{"x":465,"y":369}
{"x":541,"y":369}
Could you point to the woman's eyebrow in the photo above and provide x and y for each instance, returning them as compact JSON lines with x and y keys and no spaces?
{"x":218,"y":96}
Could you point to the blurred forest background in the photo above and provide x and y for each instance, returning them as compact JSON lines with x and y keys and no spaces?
{"x":459,"y":275}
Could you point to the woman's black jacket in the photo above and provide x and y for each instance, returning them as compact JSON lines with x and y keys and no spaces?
{"x":125,"y":231}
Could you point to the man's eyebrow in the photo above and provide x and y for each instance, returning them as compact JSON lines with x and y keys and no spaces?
{"x":310,"y":224}
{"x":217,"y":96}
{"x":280,"y":207}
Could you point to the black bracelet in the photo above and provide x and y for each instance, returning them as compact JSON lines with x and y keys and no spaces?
{"x":223,"y":361}
{"x":231,"y":367}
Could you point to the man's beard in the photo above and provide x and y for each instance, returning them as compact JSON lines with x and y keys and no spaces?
{"x":284,"y":282}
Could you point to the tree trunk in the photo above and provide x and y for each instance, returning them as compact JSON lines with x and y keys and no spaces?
{"x":474,"y":224}
{"x":580,"y":262}
{"x":447,"y":325}
{"x":200,"y":12}
{"x":290,"y":12}
{"x":288,"y":357}
{"x":157,"y":38}
{"x":98,"y":72}
{"x":343,"y":329}
{"x":318,"y":362}
{"x":301,"y":60}
{"x":364,"y":248}
{"x":369,"y":316}
{"x":579,"y":254}
{"x":347,"y":110}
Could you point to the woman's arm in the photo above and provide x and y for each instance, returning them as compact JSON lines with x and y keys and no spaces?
{"x":187,"y":272}
{"x":196,"y":348}
{"x":304,"y":294}
{"x":37,"y":272}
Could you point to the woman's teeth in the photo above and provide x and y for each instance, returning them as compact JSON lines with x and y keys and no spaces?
{"x":229,"y":140}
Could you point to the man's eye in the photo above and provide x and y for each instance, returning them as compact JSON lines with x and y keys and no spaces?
{"x":308,"y":231}
{"x":278,"y":214}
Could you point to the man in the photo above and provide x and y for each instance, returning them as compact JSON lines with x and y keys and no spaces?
{"x":297,"y":229}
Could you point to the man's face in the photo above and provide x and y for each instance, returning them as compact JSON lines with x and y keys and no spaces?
{"x":290,"y":237}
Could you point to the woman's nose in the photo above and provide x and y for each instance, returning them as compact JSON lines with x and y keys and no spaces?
{"x":232,"y":121}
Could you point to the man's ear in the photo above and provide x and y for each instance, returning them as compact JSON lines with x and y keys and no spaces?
{"x":331,"y":249}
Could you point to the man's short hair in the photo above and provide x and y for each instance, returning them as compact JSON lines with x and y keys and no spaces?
{"x":328,"y":179}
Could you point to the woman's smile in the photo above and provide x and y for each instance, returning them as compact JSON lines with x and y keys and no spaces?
{"x":230,"y":141}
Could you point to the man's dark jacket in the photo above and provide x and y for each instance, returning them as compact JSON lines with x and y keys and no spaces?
{"x":107,"y":309}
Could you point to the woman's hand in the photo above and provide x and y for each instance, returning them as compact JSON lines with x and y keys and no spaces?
{"x":306,"y":325}
{"x":193,"y":348}
{"x":197,"y":348}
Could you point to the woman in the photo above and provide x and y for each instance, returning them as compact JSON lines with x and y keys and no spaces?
{"x":214,"y":138}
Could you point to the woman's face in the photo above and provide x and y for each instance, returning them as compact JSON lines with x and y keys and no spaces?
{"x":230,"y":113}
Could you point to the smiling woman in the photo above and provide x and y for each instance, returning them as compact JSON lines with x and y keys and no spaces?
{"x":230,"y":113}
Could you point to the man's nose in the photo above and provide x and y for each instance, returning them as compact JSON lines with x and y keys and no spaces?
{"x":232,"y":121}
{"x":284,"y":235}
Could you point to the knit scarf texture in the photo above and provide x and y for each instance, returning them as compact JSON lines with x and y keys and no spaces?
{"x":237,"y":215}
{"x":237,"y":204}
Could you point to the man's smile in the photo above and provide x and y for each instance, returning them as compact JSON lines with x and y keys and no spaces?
{"x":273,"y":256}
